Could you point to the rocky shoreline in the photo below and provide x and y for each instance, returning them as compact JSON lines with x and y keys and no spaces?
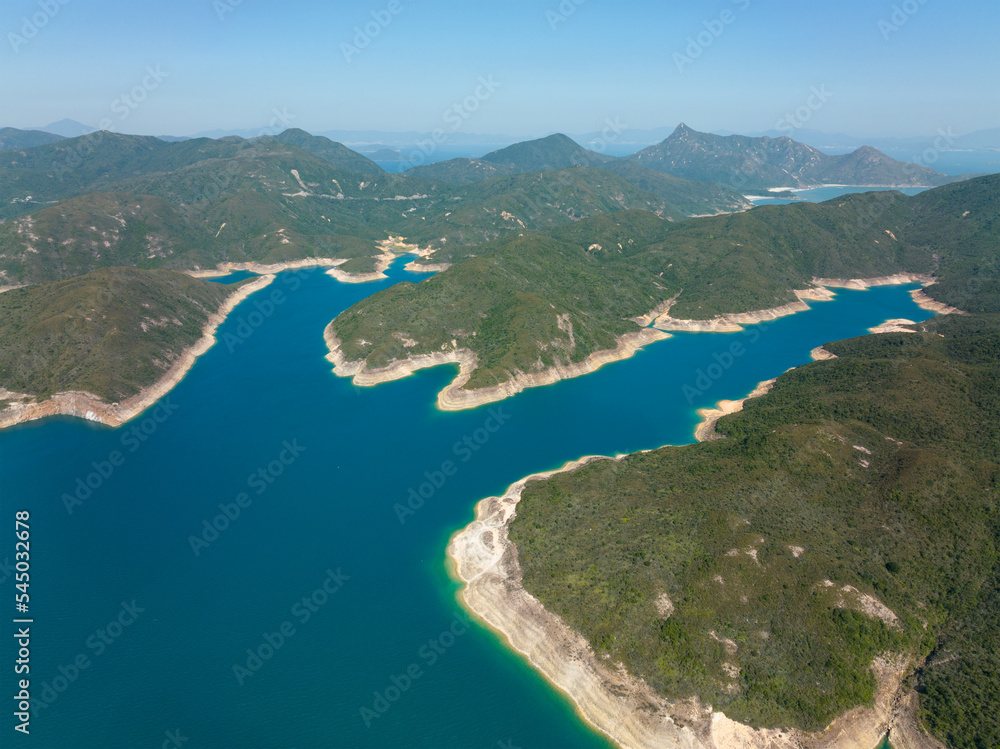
{"x":820,"y":291}
{"x":224,"y":269}
{"x":625,"y":707}
{"x":453,"y":397}
{"x":89,"y":406}
{"x":705,"y":431}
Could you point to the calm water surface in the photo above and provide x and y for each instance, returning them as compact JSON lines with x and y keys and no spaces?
{"x":256,"y":508}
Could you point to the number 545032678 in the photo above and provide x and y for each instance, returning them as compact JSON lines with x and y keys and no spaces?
{"x":22,"y":557}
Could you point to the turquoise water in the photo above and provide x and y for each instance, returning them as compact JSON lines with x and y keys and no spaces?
{"x":386,"y":621}
{"x":819,"y":194}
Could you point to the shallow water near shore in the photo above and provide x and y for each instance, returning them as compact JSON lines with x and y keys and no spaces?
{"x":320,"y":473}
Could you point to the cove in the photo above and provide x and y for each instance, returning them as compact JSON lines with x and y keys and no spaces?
{"x":305,"y":604}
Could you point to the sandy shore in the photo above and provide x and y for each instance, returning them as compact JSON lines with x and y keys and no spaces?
{"x":89,"y":406}
{"x":224,"y":269}
{"x":382,"y":263}
{"x":705,"y":431}
{"x":414,"y":267}
{"x":820,"y":291}
{"x":618,"y":704}
{"x":896,"y":325}
{"x":925,"y":302}
{"x":821,"y":354}
{"x":734,"y":322}
{"x":454,"y":397}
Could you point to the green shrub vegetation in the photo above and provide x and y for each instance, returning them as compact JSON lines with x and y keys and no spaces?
{"x":107,"y":199}
{"x":502,"y":299}
{"x":111,"y":332}
{"x":918,"y":528}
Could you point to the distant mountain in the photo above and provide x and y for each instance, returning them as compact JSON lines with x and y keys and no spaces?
{"x":11,"y":137}
{"x":747,"y":163}
{"x":109,"y":199}
{"x":68,"y":128}
{"x":561,"y":152}
{"x":386,"y":154}
{"x":552,"y":152}
{"x":411,"y":137}
{"x":980,"y":139}
{"x":336,"y":153}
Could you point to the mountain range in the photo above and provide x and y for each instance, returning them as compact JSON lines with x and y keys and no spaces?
{"x":364,"y":140}
{"x":105,"y":199}
{"x":746,"y":163}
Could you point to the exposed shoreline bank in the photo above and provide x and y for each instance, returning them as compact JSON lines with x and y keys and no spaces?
{"x":224,"y":269}
{"x":453,"y":397}
{"x":705,"y":431}
{"x":89,"y":406}
{"x":820,"y":291}
{"x":624,"y":707}
{"x":655,"y":326}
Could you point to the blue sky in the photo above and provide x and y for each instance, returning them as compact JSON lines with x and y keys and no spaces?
{"x":739,"y":65}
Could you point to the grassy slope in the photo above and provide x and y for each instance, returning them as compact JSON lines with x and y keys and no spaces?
{"x":86,"y":333}
{"x":918,"y":529}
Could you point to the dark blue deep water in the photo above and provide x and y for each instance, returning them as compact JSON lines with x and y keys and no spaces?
{"x":137,"y":627}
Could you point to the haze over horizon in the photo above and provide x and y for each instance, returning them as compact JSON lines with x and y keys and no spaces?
{"x":867,"y":69}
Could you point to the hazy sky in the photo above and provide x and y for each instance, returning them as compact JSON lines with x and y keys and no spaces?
{"x":181,"y":66}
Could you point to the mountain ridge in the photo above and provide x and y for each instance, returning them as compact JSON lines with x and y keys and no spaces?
{"x":753,"y":163}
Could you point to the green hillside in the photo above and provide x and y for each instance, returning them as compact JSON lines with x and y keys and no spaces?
{"x":11,"y":138}
{"x":199,"y":202}
{"x":337,"y":154}
{"x":685,"y":197}
{"x":111,"y":332}
{"x":911,"y":519}
{"x":504,"y":304}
